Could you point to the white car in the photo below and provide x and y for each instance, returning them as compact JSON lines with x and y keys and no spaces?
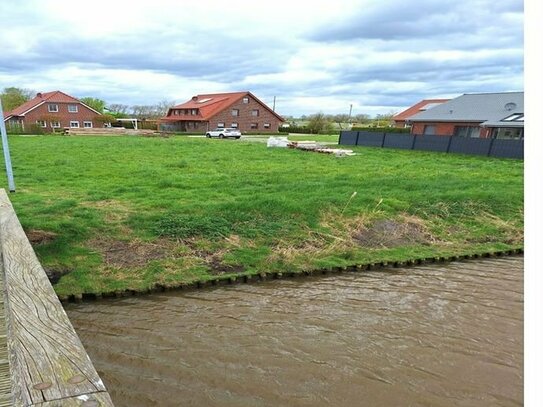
{"x":223,"y":132}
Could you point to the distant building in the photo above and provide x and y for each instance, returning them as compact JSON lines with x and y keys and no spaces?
{"x":52,"y":111}
{"x":426,"y":104}
{"x":241,"y":110}
{"x":478,"y":115}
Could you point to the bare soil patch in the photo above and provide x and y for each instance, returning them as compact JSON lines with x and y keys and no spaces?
{"x":387,"y":233}
{"x":132,"y":253}
{"x":37,"y":237}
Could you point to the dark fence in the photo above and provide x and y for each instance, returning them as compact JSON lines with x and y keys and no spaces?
{"x":445,"y":144}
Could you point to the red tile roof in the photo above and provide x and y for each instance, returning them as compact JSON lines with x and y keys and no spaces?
{"x":211,"y":104}
{"x":417,"y":108}
{"x":49,"y":97}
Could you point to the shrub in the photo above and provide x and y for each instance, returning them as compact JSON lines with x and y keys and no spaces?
{"x":383,"y":129}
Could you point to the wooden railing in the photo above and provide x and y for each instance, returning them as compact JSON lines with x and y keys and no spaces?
{"x":47,"y":362}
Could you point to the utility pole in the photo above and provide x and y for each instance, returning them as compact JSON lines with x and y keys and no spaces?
{"x":5,"y":147}
{"x":350,"y":112}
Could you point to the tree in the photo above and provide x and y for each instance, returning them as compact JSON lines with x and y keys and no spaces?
{"x":15,"y":97}
{"x":118,"y":109}
{"x":341,"y":119}
{"x":95,"y":103}
{"x":319,"y":123}
{"x":384,"y":120}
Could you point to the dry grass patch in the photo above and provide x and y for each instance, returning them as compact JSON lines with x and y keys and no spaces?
{"x":37,"y":237}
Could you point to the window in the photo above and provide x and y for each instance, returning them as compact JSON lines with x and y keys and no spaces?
{"x":429,"y":130}
{"x":220,"y":125}
{"x":508,"y":133}
{"x":87,"y":125}
{"x":72,"y":108}
{"x":55,"y":125}
{"x":517,"y":117}
{"x":254,"y":112}
{"x":41,"y":123}
{"x":52,"y":108}
{"x":267,"y":125}
{"x":234,"y":125}
{"x":235,"y":112}
{"x":194,"y":112}
{"x":74,"y":124}
{"x":245,"y":100}
{"x":467,"y":131}
{"x":254,"y":125}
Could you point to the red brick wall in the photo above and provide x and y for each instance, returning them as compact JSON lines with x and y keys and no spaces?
{"x":63,"y":116}
{"x":446,"y":129}
{"x":245,"y":118}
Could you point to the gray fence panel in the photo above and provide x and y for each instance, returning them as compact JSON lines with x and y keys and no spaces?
{"x":477,"y":146}
{"x":507,"y":148}
{"x":404,"y":141}
{"x":432,"y":143}
{"x":370,"y":139}
{"x":348,"y":138}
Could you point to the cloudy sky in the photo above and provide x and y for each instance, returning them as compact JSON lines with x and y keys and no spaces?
{"x":318,"y":55}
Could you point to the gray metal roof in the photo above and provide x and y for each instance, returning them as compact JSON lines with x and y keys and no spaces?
{"x":489,"y":109}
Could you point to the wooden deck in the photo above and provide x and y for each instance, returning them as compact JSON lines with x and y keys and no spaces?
{"x":44,"y":359}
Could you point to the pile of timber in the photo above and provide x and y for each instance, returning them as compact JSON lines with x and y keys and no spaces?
{"x":109,"y":131}
{"x":318,"y":148}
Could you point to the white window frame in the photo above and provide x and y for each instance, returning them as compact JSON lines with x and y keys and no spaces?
{"x":55,"y":124}
{"x":246,"y":99}
{"x":221,"y":125}
{"x":86,"y":124}
{"x":72,"y":124}
{"x":235,"y":112}
{"x":52,"y":108}
{"x":267,"y":125}
{"x":41,"y":123}
{"x":254,"y":126}
{"x":255,"y":113}
{"x":234,"y":125}
{"x":71,"y":107}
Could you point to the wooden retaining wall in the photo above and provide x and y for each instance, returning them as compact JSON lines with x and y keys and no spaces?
{"x":48,"y":365}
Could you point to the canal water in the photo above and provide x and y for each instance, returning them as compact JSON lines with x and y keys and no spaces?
{"x":433,"y":335}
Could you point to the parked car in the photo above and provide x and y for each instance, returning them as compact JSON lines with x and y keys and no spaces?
{"x":223,"y":132}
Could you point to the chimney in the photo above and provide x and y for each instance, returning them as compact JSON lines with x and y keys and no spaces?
{"x":38,"y":95}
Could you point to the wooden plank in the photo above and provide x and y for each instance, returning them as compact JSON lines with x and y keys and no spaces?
{"x":87,"y":400}
{"x":5,"y":376}
{"x":48,"y":362}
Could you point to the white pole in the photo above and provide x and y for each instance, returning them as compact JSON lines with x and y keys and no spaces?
{"x":5,"y":147}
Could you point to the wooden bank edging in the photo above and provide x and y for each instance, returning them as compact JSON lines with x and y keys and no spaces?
{"x":230,"y":279}
{"x":48,"y":364}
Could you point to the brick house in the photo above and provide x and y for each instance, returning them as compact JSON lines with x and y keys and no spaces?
{"x":426,"y":104}
{"x":53,"y":111}
{"x":241,"y":110}
{"x":478,"y":115}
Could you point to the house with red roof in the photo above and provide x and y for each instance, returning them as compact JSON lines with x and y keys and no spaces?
{"x":52,"y":111}
{"x":241,"y":110}
{"x":401,"y":118}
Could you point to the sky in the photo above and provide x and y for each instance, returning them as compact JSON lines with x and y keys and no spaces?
{"x":374,"y":57}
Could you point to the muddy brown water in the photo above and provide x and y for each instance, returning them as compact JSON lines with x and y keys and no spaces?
{"x":434,"y":335}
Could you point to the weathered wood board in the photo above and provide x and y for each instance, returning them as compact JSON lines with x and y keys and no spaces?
{"x":48,"y":363}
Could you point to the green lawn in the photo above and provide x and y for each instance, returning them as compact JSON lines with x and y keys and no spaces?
{"x":114,"y":213}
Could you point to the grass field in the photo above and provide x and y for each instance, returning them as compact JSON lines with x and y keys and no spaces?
{"x":114,"y":213}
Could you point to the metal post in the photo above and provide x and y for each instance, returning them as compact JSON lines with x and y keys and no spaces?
{"x":5,"y":147}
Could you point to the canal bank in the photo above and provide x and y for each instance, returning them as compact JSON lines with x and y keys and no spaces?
{"x":264,"y":276}
{"x":434,"y":334}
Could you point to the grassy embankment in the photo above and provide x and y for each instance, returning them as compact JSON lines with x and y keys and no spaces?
{"x":127,"y":213}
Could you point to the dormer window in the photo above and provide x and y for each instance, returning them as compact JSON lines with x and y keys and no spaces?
{"x":52,"y":108}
